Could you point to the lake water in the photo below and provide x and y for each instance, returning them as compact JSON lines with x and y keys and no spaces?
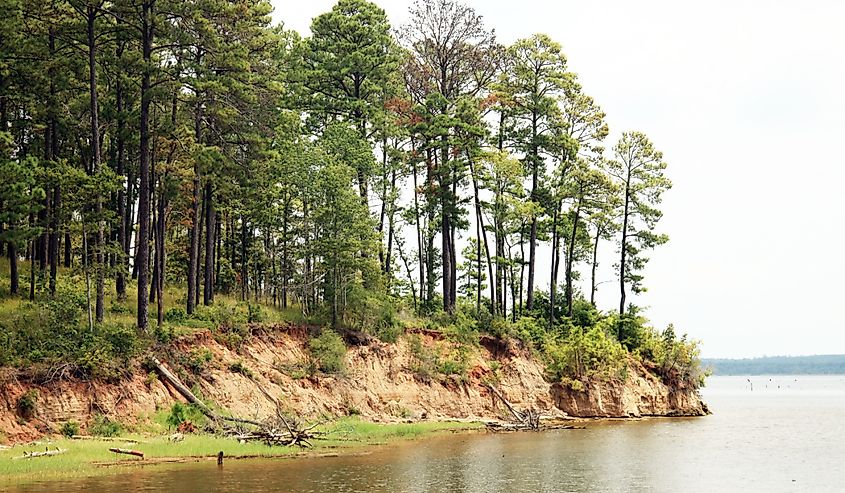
{"x":788,"y":434}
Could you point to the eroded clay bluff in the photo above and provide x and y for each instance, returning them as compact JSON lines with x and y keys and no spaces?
{"x":378,"y":383}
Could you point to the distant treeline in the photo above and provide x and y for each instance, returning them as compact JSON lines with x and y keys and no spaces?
{"x":779,"y":365}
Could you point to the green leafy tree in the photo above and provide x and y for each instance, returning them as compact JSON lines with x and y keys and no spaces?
{"x":20,"y":197}
{"x":639,"y":170}
{"x":343,"y":230}
{"x":349,"y":61}
{"x":451,"y":55}
{"x":535,"y":79}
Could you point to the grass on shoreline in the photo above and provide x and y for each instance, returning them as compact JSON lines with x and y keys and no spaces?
{"x":81,"y":458}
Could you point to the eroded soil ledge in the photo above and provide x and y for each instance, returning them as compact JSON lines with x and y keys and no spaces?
{"x":379,"y":383}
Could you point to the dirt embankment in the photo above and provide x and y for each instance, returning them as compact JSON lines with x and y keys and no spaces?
{"x":379,"y":383}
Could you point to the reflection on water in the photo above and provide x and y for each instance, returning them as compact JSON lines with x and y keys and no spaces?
{"x":785,"y":435}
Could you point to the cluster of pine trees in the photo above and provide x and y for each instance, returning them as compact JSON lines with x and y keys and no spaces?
{"x":192,"y":143}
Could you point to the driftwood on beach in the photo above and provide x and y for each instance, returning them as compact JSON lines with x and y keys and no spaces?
{"x":105,"y":439}
{"x":136,"y":453}
{"x":46,"y":453}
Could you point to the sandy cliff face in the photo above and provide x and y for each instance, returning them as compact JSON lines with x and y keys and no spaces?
{"x":640,"y":394}
{"x":378,"y":383}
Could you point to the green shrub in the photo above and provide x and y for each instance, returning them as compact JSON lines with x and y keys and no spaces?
{"x":530,"y":331}
{"x":53,"y":331}
{"x":463,"y":329}
{"x":27,"y":405}
{"x":239,"y":367}
{"x":69,"y":429}
{"x":328,"y":351}
{"x":501,"y":328}
{"x":676,"y":360}
{"x":254,"y":313}
{"x":105,"y":354}
{"x":424,"y":360}
{"x":104,"y":427}
{"x":198,"y":360}
{"x":456,"y":363}
{"x":122,"y":340}
{"x":119,"y":308}
{"x":630,"y":329}
{"x":175,"y":314}
{"x":232,"y":336}
{"x":180,"y":413}
{"x":227,"y":279}
{"x":576,"y":385}
{"x":584,"y":354}
{"x":373,"y":313}
{"x":163,"y":334}
{"x":584,"y":314}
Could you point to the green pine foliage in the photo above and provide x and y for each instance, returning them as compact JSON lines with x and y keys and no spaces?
{"x":169,"y":167}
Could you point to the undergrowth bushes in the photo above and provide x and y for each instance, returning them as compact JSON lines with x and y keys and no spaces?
{"x":328,"y":352}
{"x":52,"y":332}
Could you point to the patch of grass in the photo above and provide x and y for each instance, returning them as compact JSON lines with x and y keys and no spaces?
{"x":349,"y":434}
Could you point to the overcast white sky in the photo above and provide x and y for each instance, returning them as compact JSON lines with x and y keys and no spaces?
{"x":747,"y":101}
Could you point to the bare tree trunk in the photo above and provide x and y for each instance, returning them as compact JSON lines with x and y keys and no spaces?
{"x":68,"y":246}
{"x":208,"y":288}
{"x":97,"y":158}
{"x":244,"y":261}
{"x":419,"y":230}
{"x":194,"y":249}
{"x":200,"y":250}
{"x":555,"y":256}
{"x":624,"y":246}
{"x":594,"y":265}
{"x":161,"y":255}
{"x":13,"y":268}
{"x":143,"y":251}
{"x":285,"y":253}
{"x":391,"y":223}
{"x":122,"y":266}
{"x":532,"y":248}
{"x":570,"y":257}
{"x":482,"y":237}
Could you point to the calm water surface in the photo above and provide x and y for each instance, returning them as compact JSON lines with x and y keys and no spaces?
{"x":788,"y":434}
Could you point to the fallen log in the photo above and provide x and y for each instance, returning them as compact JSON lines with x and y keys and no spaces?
{"x":46,"y":453}
{"x":529,"y":419}
{"x":105,"y":439}
{"x":190,"y":397}
{"x":278,"y":431}
{"x":136,"y":453}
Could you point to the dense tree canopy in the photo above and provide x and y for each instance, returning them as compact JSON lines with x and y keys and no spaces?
{"x":157,"y":143}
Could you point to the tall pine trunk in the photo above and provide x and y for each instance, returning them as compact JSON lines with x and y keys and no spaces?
{"x":194,"y":249}
{"x":122,"y":266}
{"x":553,"y":270}
{"x":97,"y":158}
{"x":208,"y":280}
{"x":594,"y":265}
{"x":624,"y":245}
{"x":532,"y":248}
{"x":143,"y":251}
{"x":570,"y":256}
